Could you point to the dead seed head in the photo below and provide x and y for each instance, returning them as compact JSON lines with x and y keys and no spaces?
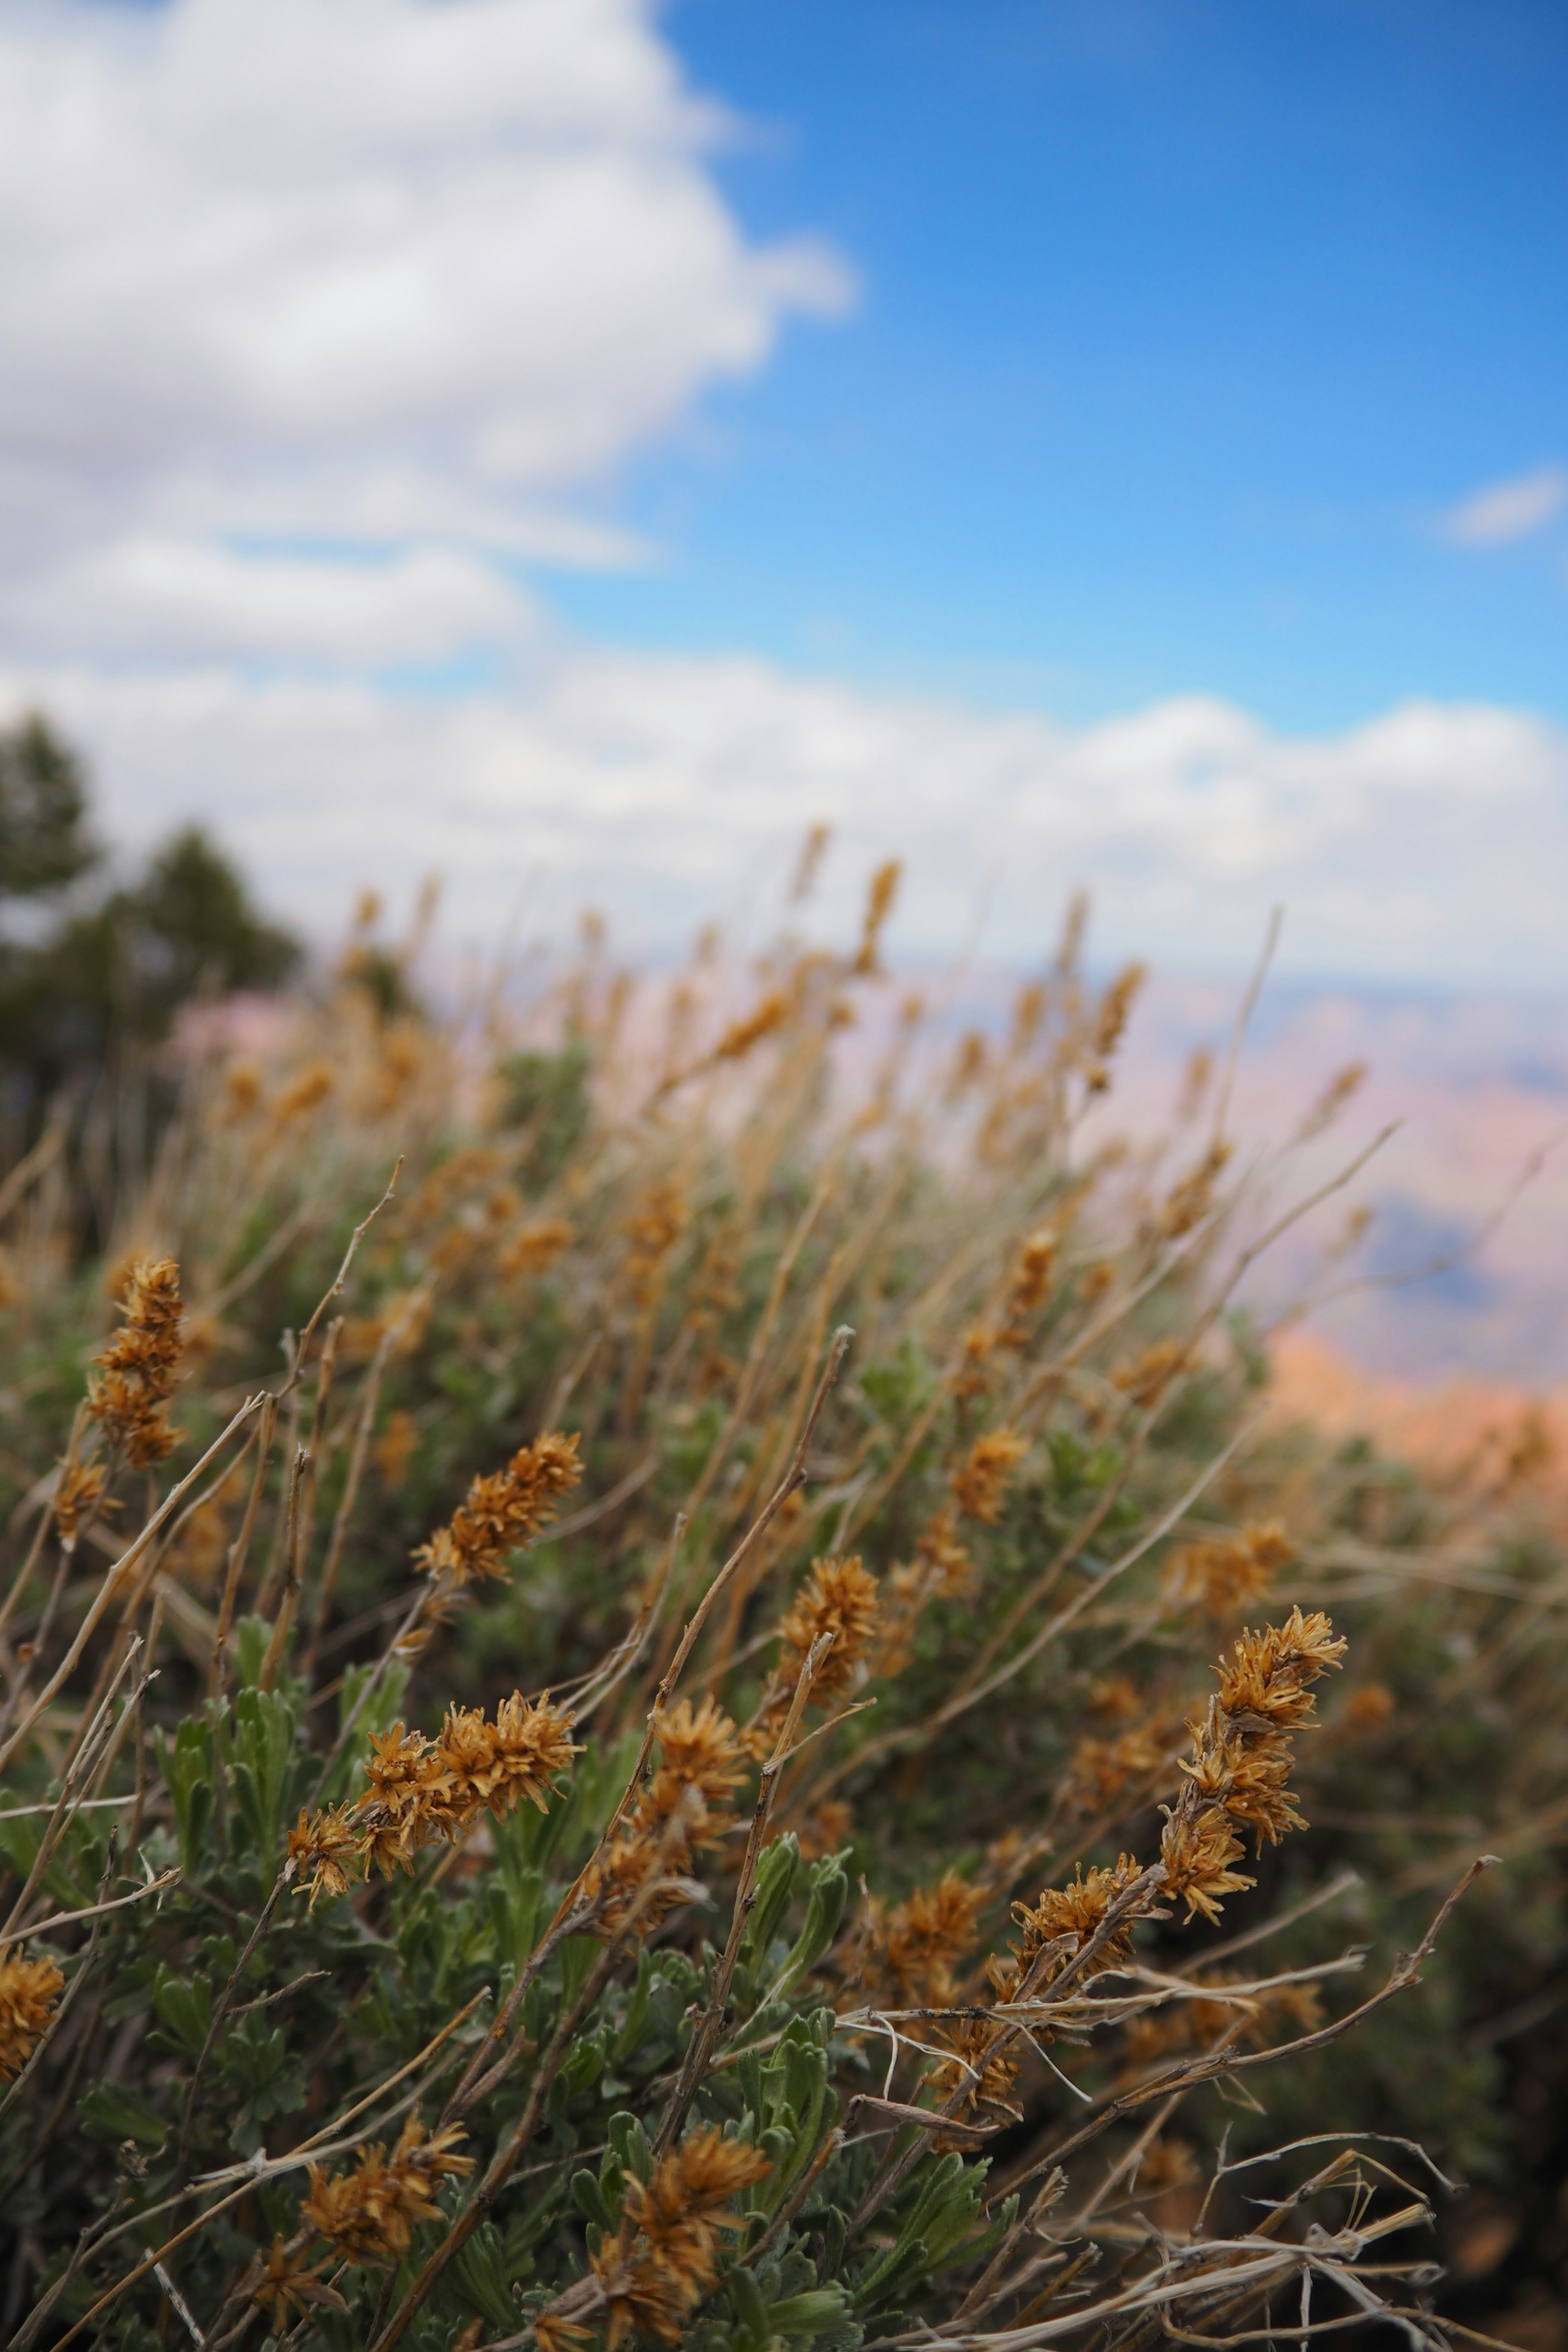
{"x":28,"y":1993}
{"x":924,"y":1939}
{"x":1225,"y":1573}
{"x":79,"y":1498}
{"x":838,"y":1597}
{"x":666,"y":2258}
{"x":503,"y":1511}
{"x":135,"y":1374}
{"x":369,"y":2215}
{"x":981,"y":1480}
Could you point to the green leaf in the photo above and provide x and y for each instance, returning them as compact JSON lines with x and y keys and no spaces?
{"x":479,"y":2273}
{"x":775,"y":1883}
{"x":114,"y":2111}
{"x":263,"y":1768}
{"x":808,"y":2314}
{"x":824,"y":1910}
{"x":187,"y":1765}
{"x":184,"y":2004}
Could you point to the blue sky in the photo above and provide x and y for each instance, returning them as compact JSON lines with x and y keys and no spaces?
{"x":1180,"y":328}
{"x":574,"y":445}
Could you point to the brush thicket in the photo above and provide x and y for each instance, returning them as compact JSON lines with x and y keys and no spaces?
{"x":660,"y":1770}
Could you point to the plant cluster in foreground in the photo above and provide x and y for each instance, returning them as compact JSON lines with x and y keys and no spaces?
{"x":590,"y":1800}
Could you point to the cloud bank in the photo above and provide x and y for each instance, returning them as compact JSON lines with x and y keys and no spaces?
{"x":1429,"y":847}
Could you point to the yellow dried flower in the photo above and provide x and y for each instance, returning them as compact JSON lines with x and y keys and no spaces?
{"x":369,"y":2215}
{"x":666,"y":2257}
{"x":1368,"y":1709}
{"x":303,"y":1093}
{"x":1269,"y":1672}
{"x":395,"y":1447}
{"x":838,"y":1597}
{"x":287,"y":2286}
{"x":769,"y":1013}
{"x":504,"y":1510}
{"x":1197,"y":1851}
{"x":28,"y":1993}
{"x":701,"y":1764}
{"x":1077,"y":1912}
{"x":654,"y":1228}
{"x":1145,"y":1379}
{"x":135,"y":1372}
{"x":513,"y":1759}
{"x":326,"y":1845}
{"x":1189,"y":1200}
{"x":535,"y":1246}
{"x":981,"y":1480}
{"x":79,"y":1498}
{"x":879,"y":907}
{"x":1221,"y":1574}
{"x":925,"y":1938}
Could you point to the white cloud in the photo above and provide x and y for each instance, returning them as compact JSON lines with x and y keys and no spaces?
{"x":403,"y":269}
{"x":190,"y":599}
{"x":1431,"y":845}
{"x":1504,"y":511}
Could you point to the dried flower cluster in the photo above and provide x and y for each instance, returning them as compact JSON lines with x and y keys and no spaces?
{"x":943,"y":1567}
{"x":1237,"y":1775}
{"x":1227,"y":1573}
{"x":980,"y":1482}
{"x":923,"y":1940}
{"x":1111,"y":1020}
{"x":1235,"y":1778}
{"x":534,"y":1246}
{"x":653,"y":1231}
{"x":369,"y":2215}
{"x":666,"y":2257}
{"x":884,"y":889}
{"x":502,"y":1510}
{"x":79,"y":1498}
{"x":682,"y":1809}
{"x":135,"y":1375}
{"x":838,"y":1597}
{"x":29,"y":1991}
{"x":422,"y":1790}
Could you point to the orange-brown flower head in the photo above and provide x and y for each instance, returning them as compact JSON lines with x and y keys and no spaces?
{"x":1146,"y":1378}
{"x":1032,"y":1276}
{"x":980,"y":1482}
{"x":1078,"y":1911}
{"x":769,"y":1014}
{"x":369,"y":2215}
{"x":504,"y":1510}
{"x":535,"y":1246}
{"x":926,"y":1937}
{"x":666,"y":2258}
{"x":79,"y":1498}
{"x":883,"y":890}
{"x":135,"y":1374}
{"x":1269,"y":1674}
{"x":285,"y":2285}
{"x":28,"y":1993}
{"x":653,"y":1230}
{"x":324,"y":1851}
{"x":1189,"y":1200}
{"x":1225,"y":1572}
{"x":511,"y":1760}
{"x":1368,"y":1707}
{"x":838,"y":1597}
{"x":1197,"y":1851}
{"x":700,"y":1749}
